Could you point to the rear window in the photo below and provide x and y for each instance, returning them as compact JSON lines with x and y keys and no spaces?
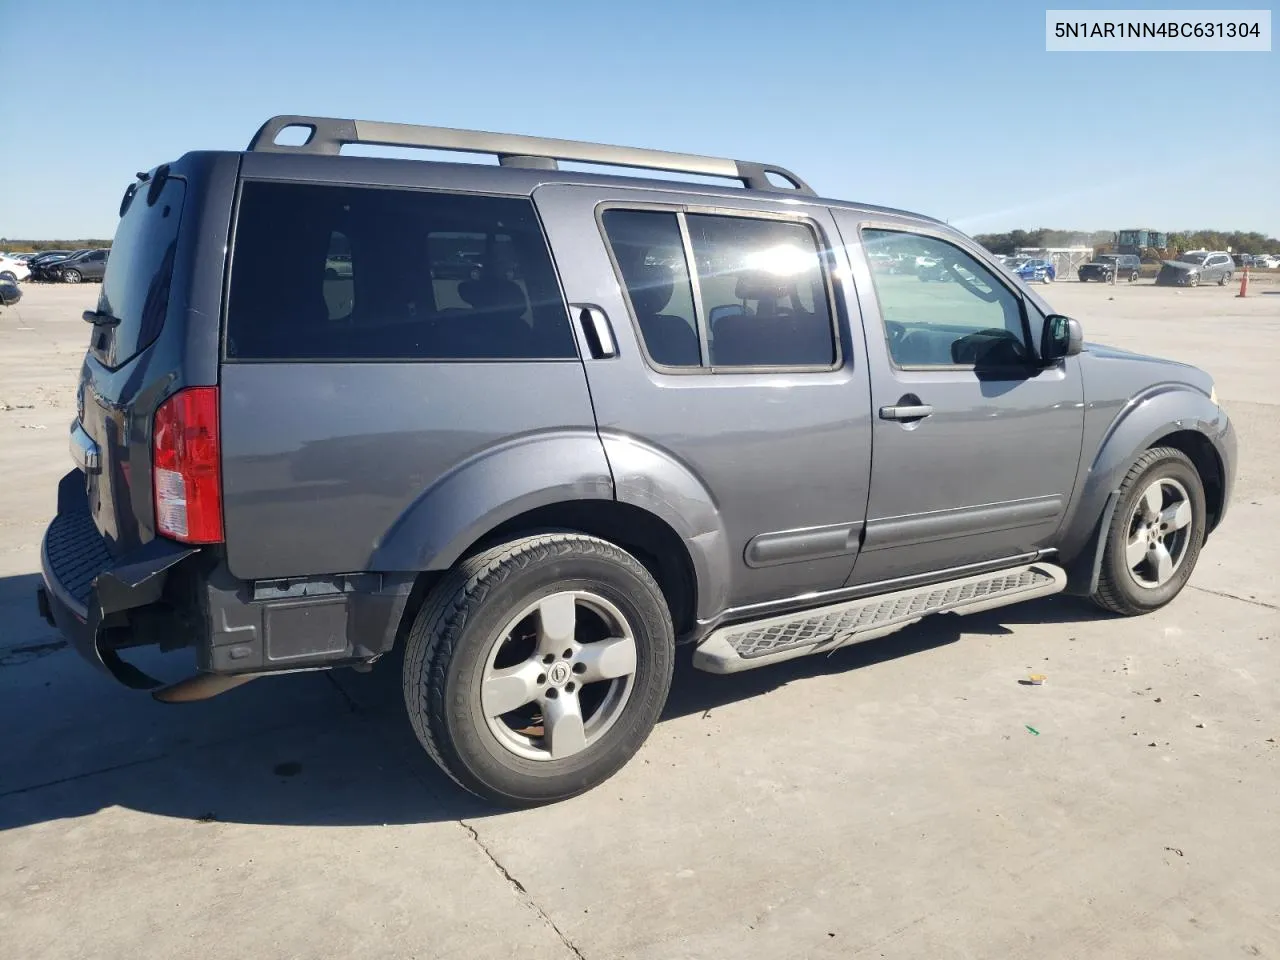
{"x":135,"y":288}
{"x":338,"y":272}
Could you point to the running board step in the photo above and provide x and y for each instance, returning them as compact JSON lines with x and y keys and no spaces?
{"x":745,"y":646}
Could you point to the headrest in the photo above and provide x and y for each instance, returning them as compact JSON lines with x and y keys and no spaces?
{"x":651,"y":287}
{"x":756,"y":285}
{"x":493,"y":295}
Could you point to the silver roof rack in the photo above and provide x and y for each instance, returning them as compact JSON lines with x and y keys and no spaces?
{"x":328,"y":135}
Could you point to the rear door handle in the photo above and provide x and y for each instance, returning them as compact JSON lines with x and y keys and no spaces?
{"x":906,"y":411}
{"x":595,"y":325}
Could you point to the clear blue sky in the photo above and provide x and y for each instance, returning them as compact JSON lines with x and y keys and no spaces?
{"x":950,"y":109}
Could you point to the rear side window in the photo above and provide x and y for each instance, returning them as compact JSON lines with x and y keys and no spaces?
{"x":135,"y":288}
{"x":324,"y":272}
{"x":760,"y":298}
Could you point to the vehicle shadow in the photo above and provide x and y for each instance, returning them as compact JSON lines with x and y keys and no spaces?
{"x":313,"y":749}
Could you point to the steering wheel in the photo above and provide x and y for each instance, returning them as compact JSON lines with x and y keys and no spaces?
{"x":993,"y":339}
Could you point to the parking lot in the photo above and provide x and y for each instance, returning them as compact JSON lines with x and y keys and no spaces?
{"x":906,"y":797}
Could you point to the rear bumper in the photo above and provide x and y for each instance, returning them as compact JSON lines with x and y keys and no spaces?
{"x":170,"y":595}
{"x":90,"y":595}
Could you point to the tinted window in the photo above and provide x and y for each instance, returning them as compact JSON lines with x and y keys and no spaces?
{"x":135,"y":287}
{"x":337,"y":272}
{"x":952,"y":311}
{"x":339,"y":287}
{"x":650,"y":254}
{"x":763,"y":292}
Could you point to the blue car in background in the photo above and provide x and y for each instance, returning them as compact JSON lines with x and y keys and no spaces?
{"x":1040,"y":271}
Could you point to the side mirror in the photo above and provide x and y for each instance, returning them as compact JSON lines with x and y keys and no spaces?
{"x":1061,"y":337}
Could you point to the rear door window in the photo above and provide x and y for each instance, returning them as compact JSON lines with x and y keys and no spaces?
{"x":338,"y":272}
{"x":135,"y":288}
{"x":754,"y":290}
{"x":763,"y":292}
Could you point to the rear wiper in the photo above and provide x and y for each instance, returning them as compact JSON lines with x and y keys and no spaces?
{"x":100,"y":319}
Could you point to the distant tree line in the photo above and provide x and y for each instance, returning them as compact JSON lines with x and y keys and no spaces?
{"x":1238,"y":241}
{"x":29,"y":246}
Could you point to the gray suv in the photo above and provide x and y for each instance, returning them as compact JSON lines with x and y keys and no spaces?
{"x":695,"y":417}
{"x":1193,"y":269}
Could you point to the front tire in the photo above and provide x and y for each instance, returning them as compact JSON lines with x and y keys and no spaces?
{"x":71,"y":276}
{"x":1155,"y":535}
{"x":9,"y":275}
{"x":535,"y":670}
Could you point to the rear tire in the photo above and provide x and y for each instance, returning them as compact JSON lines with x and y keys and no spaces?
{"x":484,"y":628}
{"x":1132,"y":580}
{"x":1133,"y":276}
{"x":10,"y":276}
{"x":1222,"y":280}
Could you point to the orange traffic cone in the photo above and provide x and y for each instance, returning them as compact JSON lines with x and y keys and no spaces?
{"x":1244,"y":283}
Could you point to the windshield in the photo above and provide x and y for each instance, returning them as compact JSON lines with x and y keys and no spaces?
{"x":1193,"y":257}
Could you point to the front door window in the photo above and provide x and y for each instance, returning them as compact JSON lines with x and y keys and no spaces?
{"x":949,"y":311}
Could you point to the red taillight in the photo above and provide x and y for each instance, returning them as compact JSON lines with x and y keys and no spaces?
{"x":186,"y":465}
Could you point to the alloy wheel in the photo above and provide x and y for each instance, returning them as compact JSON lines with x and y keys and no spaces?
{"x":558,"y":675}
{"x":1159,"y":533}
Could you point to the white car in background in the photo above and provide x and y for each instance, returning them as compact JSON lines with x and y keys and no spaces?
{"x":12,"y":268}
{"x":1268,"y":261}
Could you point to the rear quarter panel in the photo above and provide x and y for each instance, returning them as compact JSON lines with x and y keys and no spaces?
{"x":342,"y":467}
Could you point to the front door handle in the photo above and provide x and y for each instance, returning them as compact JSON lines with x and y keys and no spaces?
{"x":906,"y":412}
